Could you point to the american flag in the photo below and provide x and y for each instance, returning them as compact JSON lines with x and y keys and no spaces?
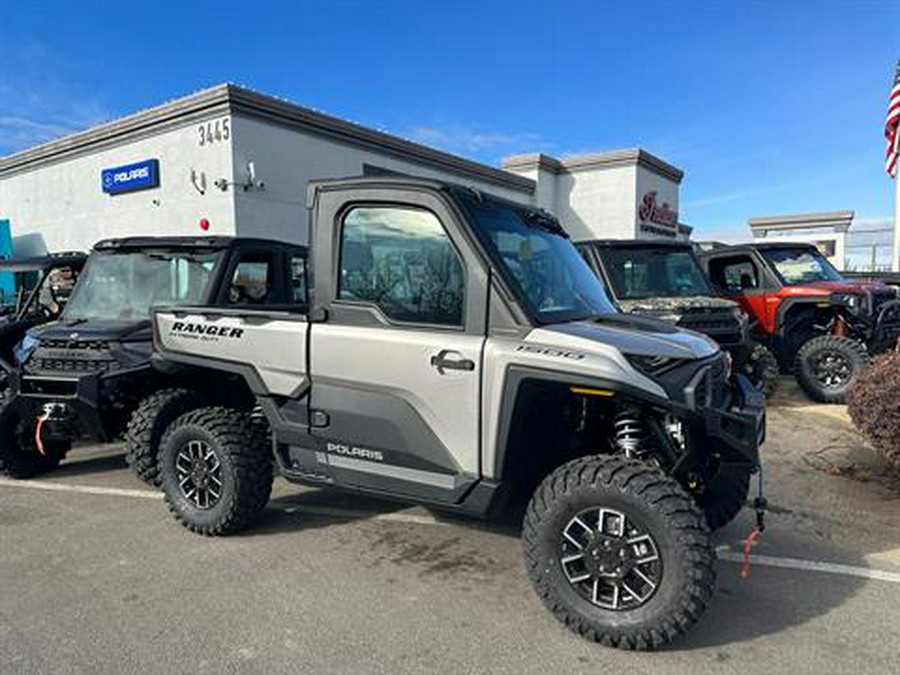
{"x":890,"y":125}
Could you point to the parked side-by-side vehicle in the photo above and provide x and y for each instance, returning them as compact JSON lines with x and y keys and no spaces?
{"x":664,"y":280}
{"x":88,"y":374}
{"x":818,"y":324}
{"x":457,"y":351}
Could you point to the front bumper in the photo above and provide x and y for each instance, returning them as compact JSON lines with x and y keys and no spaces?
{"x":887,"y":327}
{"x":740,"y":425}
{"x":81,"y":399}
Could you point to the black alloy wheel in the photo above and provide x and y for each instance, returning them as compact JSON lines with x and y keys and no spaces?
{"x":199,"y":472}
{"x":611,"y":561}
{"x":826,"y":366}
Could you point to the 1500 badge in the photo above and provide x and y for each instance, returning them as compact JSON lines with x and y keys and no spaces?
{"x":550,"y":351}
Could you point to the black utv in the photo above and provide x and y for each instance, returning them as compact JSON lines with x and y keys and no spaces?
{"x":39,"y":291}
{"x":88,"y":374}
{"x":665,"y":280}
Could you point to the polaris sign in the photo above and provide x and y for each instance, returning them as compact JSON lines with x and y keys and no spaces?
{"x":138,"y":176}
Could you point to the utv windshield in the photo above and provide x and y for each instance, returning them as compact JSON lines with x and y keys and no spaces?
{"x":123,"y":286}
{"x":798,"y":266}
{"x":550,"y":277}
{"x":642,"y":272}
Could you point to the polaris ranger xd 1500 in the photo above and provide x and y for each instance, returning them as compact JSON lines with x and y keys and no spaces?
{"x":664,"y":280}
{"x":458,"y":350}
{"x":89,"y":375}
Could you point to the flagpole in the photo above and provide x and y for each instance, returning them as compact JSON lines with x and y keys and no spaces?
{"x":895,"y":263}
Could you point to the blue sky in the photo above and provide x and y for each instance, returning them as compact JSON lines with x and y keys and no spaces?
{"x":769,"y":107}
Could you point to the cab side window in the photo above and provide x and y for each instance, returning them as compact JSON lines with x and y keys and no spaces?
{"x":251,"y":282}
{"x":735,"y":275}
{"x":401,"y":260}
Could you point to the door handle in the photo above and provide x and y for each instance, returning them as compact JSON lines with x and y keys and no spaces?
{"x":443,"y":361}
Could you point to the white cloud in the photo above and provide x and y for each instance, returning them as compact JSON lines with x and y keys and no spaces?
{"x":22,"y":126}
{"x":466,"y":140}
{"x":42,"y":99}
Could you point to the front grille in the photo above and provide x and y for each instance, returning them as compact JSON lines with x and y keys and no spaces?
{"x":710,"y":318}
{"x":66,"y":357}
{"x":76,"y":345}
{"x":708,"y":324}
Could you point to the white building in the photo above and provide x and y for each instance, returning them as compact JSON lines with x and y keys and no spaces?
{"x":827,"y":230}
{"x":228,"y":160}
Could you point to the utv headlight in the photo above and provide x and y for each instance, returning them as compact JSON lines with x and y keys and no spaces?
{"x":669,"y":317}
{"x":651,"y":364}
{"x":23,"y":349}
{"x":848,"y":300}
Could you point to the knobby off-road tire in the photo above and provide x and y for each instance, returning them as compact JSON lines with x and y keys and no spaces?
{"x":147,"y":424}
{"x":724,"y":495}
{"x":19,"y":456}
{"x":653,"y":505}
{"x":762,"y":369}
{"x":216,"y":442}
{"x":826,"y":366}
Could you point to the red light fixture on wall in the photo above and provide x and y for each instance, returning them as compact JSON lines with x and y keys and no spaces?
{"x":204,"y":224}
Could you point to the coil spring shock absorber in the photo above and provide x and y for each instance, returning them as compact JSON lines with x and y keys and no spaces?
{"x":629,"y":433}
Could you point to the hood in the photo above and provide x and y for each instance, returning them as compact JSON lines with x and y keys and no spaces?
{"x":634,"y":334}
{"x":94,"y":330}
{"x":855,"y":287}
{"x":662,"y":305}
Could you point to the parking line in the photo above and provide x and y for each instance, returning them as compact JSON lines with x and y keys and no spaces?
{"x":725,"y":552}
{"x":80,"y":489}
{"x":812,"y":566}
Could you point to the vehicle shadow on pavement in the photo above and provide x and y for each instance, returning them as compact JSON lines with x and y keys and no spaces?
{"x":88,"y":466}
{"x":319,"y":508}
{"x":771,"y":599}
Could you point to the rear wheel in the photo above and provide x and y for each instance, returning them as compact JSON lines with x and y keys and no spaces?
{"x":147,"y":424}
{"x":19,"y":454}
{"x":215,"y":470}
{"x":618,"y":552}
{"x":826,"y":366}
{"x":762,"y":369}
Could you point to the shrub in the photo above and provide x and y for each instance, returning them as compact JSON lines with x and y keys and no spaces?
{"x":874,"y":406}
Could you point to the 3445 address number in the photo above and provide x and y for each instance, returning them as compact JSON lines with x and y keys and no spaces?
{"x":214,"y":132}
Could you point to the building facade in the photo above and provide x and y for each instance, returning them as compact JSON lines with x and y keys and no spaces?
{"x":827,"y":230}
{"x":231,"y":161}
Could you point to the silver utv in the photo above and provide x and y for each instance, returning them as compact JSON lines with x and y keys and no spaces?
{"x":457,"y":351}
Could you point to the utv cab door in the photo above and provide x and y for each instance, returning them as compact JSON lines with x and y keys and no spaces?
{"x":741,"y":277}
{"x":396,"y":344}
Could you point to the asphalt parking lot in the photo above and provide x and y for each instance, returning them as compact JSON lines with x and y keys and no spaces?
{"x":97,"y":578}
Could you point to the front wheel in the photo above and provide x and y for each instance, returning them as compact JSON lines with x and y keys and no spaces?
{"x":826,"y":366}
{"x":762,"y":369}
{"x":19,"y":454}
{"x":618,"y":552}
{"x":215,"y":470}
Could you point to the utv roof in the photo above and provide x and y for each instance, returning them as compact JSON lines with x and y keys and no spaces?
{"x":203,"y":242}
{"x":391,"y":180}
{"x":635,"y":243}
{"x":44,"y":262}
{"x":757,"y":246}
